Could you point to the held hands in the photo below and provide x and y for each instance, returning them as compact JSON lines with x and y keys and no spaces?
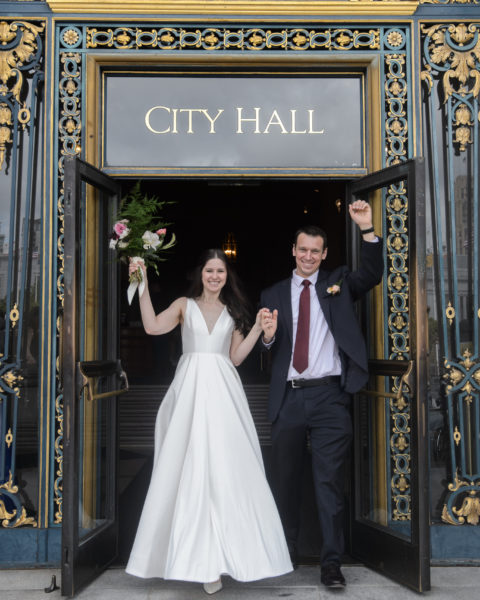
{"x":268,"y":322}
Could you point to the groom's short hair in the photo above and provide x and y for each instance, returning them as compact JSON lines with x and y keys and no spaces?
{"x":312,"y":230}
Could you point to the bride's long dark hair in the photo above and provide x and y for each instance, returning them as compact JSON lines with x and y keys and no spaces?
{"x":231,"y":294}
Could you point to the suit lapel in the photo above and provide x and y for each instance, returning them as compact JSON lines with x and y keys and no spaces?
{"x":321,"y":289}
{"x":286,"y":306}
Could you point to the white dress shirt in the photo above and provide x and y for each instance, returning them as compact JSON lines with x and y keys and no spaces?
{"x":323,"y":356}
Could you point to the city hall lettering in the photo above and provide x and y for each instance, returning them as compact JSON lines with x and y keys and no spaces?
{"x":164,"y":120}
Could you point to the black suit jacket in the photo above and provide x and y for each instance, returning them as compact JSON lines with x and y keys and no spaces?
{"x":340,"y":315}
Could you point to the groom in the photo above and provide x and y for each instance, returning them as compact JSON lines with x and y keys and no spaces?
{"x":318,"y":359}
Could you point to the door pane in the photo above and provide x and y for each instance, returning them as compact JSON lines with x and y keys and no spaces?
{"x":94,"y":508}
{"x":390,"y":528}
{"x":385,"y":422}
{"x":382,"y":470}
{"x":91,"y":376}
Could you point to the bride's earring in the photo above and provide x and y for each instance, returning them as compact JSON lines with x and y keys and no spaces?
{"x":214,"y":586}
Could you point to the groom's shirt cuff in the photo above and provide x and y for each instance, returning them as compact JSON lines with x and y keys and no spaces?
{"x":270,"y":344}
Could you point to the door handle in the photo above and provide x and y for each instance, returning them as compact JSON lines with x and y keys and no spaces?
{"x":87,"y":384}
{"x":406,"y":379}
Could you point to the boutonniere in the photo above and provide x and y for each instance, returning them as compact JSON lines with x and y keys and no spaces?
{"x":334,"y":289}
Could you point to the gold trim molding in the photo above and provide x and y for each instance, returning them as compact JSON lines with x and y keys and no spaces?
{"x":237,"y":7}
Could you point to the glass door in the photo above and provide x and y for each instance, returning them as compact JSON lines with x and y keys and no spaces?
{"x":389,"y":528}
{"x":92,"y":376}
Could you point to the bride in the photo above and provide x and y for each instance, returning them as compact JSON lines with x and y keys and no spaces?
{"x":209,"y":510}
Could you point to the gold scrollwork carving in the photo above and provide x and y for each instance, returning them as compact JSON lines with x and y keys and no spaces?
{"x":401,"y":443}
{"x":447,"y":518}
{"x":457,"y":483}
{"x":14,"y":315}
{"x":252,"y":39}
{"x":450,"y":313}
{"x":463,"y":122}
{"x":457,"y":436}
{"x":449,"y":1}
{"x":450,"y":46}
{"x":395,"y":39}
{"x":396,"y":101}
{"x":397,"y":243}
{"x":12,"y":379}
{"x":8,"y":517}
{"x":470,"y":509}
{"x":9,"y":486}
{"x":476,"y":377}
{"x":468,"y":388}
{"x":22,"y":520}
{"x":399,"y":322}
{"x":9,"y":437}
{"x":398,"y":294}
{"x":454,"y":50}
{"x":466,"y":362}
{"x":11,"y":78}
{"x":455,"y":376}
{"x":70,"y":37}
{"x":402,"y":484}
{"x":398,"y":282}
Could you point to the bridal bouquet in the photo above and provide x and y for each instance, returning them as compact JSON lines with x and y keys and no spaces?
{"x":140,"y":235}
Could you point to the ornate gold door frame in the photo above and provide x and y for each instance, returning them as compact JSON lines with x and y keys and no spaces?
{"x":382,"y":50}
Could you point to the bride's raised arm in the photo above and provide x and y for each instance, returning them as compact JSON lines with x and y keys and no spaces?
{"x":165,"y":321}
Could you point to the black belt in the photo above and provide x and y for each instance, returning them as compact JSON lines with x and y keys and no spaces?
{"x":300,"y":383}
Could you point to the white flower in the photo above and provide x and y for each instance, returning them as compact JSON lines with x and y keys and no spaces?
{"x":122,"y":244}
{"x":150,"y":240}
{"x":113,"y":244}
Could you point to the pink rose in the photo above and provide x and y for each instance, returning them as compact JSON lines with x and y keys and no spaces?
{"x":121,"y":229}
{"x":162,"y":231}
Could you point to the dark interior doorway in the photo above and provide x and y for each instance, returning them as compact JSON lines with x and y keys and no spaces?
{"x":263,"y":217}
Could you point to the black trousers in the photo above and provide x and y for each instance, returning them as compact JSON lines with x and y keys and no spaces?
{"x":322,"y":410}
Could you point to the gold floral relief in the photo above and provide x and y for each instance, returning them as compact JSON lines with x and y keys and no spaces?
{"x":453,"y":54}
{"x":10,"y":519}
{"x":14,"y":60}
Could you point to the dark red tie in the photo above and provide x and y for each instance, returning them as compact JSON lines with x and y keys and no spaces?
{"x":300,"y":352}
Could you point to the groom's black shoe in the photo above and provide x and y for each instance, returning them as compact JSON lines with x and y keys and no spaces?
{"x":332,"y":577}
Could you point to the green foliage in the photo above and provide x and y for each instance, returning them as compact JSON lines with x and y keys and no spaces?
{"x":142,"y":213}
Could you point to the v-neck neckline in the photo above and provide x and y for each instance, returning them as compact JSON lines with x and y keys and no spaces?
{"x":205,"y":321}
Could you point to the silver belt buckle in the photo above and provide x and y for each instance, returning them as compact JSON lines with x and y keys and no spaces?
{"x":294,"y":385}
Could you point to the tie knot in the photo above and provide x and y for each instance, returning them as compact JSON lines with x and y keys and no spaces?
{"x":306,"y":283}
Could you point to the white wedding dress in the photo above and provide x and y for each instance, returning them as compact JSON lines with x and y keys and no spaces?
{"x":209,"y":510}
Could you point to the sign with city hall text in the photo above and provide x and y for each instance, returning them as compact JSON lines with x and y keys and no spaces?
{"x":242,"y":124}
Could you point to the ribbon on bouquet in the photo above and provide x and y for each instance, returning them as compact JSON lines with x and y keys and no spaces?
{"x":137,"y":279}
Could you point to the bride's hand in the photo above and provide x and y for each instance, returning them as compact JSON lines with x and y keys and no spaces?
{"x":258,"y":319}
{"x":269,"y":323}
{"x":134,"y":265}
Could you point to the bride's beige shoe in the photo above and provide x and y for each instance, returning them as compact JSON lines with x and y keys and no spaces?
{"x":213,"y":586}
